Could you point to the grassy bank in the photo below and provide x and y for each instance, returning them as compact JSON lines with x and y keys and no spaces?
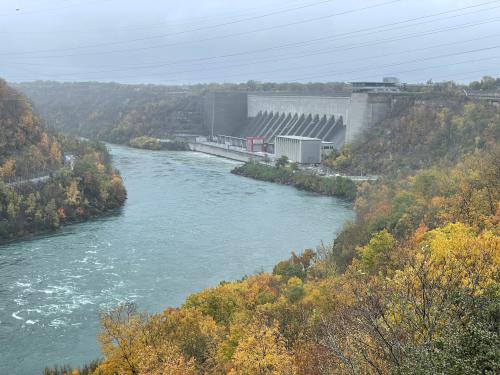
{"x":287,"y":175}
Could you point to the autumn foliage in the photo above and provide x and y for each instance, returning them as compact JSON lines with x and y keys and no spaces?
{"x":39,"y":189}
{"x":410,"y":287}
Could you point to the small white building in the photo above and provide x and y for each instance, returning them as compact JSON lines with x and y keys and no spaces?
{"x":69,"y":160}
{"x":302,"y":150}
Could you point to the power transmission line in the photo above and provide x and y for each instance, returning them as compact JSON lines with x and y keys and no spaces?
{"x":308,"y":54}
{"x":338,"y":48}
{"x":353,"y":79}
{"x":20,"y":12}
{"x":378,"y":74}
{"x":385,"y":55}
{"x":448,"y":77}
{"x":462,"y":75}
{"x":313,"y":52}
{"x":316,"y":40}
{"x":368,"y":68}
{"x":399,"y":64}
{"x":213,"y":27}
{"x":338,"y":36}
{"x":432,"y":67}
{"x":167,"y":24}
{"x":424,"y":59}
{"x":247,"y":18}
{"x":388,"y":27}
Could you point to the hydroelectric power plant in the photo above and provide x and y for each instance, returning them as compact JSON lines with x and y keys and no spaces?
{"x":235,"y":119}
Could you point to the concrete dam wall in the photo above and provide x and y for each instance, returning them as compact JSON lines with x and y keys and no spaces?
{"x":366,"y":110}
{"x":307,"y":116}
{"x":225,"y":112}
{"x":301,"y":105}
{"x":337,"y":119}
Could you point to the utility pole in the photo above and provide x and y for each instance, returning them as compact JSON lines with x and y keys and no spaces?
{"x":213,"y":116}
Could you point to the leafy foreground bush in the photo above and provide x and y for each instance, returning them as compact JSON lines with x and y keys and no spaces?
{"x":87,"y":369}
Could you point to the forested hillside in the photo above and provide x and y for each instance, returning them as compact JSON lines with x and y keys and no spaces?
{"x":116,"y":113}
{"x":437,"y":127}
{"x":47,"y":179}
{"x":410,"y":287}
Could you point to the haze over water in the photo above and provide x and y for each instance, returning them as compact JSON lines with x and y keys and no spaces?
{"x":188,"y":224}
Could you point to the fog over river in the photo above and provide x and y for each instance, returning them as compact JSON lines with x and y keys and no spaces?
{"x":188,"y":224}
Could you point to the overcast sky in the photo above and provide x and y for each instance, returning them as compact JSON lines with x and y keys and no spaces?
{"x":192,"y":41}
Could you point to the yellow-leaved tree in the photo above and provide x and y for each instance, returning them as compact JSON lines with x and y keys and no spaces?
{"x":165,"y":359}
{"x":73,"y":195}
{"x":55,"y":153}
{"x":8,"y":169}
{"x":263,"y":352}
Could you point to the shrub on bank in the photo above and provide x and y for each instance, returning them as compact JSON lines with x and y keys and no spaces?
{"x":150,"y":143}
{"x":332,"y":186}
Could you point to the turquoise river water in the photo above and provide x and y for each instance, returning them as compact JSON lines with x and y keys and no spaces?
{"x":187,"y":225}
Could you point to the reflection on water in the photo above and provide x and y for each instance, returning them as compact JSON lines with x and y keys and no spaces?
{"x":188,"y":224}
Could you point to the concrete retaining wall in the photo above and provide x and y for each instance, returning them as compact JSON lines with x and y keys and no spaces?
{"x":225,"y":112}
{"x":365,"y":111}
{"x":232,"y":154}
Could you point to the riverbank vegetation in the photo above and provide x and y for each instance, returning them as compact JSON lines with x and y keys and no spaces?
{"x":411,"y":287}
{"x":150,"y":143}
{"x":47,"y":179}
{"x":289,"y":174}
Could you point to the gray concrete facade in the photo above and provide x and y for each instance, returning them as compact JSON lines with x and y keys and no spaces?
{"x":215,"y":149}
{"x":365,"y":111}
{"x":301,"y":150}
{"x":314,"y":105}
{"x":224,"y":112}
{"x":356,"y":112}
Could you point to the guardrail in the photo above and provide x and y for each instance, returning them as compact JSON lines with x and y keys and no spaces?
{"x":33,"y":177}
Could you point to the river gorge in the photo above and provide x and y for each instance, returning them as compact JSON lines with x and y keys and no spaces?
{"x":188,"y":224}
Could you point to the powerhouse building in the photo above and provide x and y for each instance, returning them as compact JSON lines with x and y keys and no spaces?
{"x":302,"y":150}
